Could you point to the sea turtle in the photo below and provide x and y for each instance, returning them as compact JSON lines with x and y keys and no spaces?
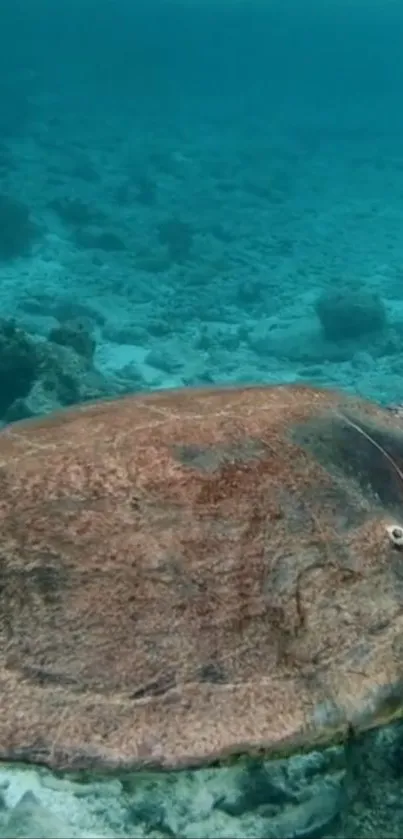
{"x":189,"y":576}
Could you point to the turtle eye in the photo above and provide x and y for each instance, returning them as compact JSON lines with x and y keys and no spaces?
{"x":395,"y":533}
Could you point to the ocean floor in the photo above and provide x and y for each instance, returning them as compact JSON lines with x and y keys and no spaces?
{"x":348,"y":791}
{"x":198,"y":256}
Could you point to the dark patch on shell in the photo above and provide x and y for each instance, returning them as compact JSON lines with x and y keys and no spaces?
{"x":341,"y":447}
{"x":212,"y":672}
{"x":158,"y":687}
{"x":211,"y":459}
{"x":42,"y":676}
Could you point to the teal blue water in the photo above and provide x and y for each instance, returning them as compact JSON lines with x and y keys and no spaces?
{"x":201,"y":193}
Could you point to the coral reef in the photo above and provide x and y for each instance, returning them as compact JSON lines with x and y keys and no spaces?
{"x":349,"y":314}
{"x":177,"y":236}
{"x":77,"y":335}
{"x":19,"y":364}
{"x":17,"y":230}
{"x":39,"y":375}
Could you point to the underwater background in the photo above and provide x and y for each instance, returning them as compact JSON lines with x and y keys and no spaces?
{"x":198,"y":193}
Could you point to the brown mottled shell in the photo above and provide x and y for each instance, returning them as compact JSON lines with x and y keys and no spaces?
{"x":188,"y":575}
